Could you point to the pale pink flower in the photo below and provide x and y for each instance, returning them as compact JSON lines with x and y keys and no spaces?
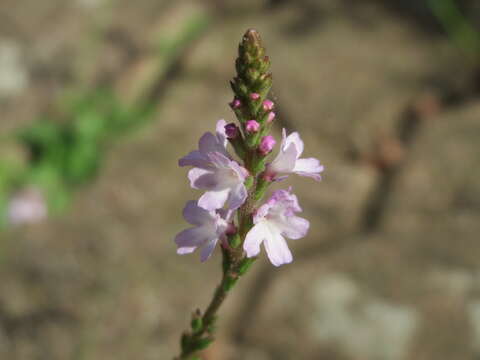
{"x":209,"y":227}
{"x":214,"y":171}
{"x":288,"y":160}
{"x":273,"y":221}
{"x":27,"y":207}
{"x":223,"y":179}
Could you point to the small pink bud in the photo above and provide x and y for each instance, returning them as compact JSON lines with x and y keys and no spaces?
{"x":266,"y":144}
{"x":252,"y":126}
{"x":254,"y":96}
{"x":231,"y":130}
{"x":231,"y":229}
{"x":235,"y":104}
{"x":271,"y":116}
{"x":268,"y":105}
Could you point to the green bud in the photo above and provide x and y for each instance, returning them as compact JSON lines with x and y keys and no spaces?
{"x":197,"y":322}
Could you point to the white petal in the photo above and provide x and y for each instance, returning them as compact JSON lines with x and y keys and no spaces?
{"x":294,"y":227}
{"x":257,"y":234}
{"x":196,"y":215}
{"x":285,"y":160}
{"x":213,"y":200}
{"x":277,"y":249}
{"x":237,"y":196}
{"x":309,"y":167}
{"x":294,"y":138}
{"x":220,"y":131}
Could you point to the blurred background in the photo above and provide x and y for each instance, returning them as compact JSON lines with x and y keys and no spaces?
{"x":99,"y":99}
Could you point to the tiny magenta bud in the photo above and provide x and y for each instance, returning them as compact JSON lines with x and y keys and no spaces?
{"x":268,"y":105}
{"x":254,"y":96}
{"x":236,"y":103}
{"x":231,"y":130}
{"x":266,"y":144}
{"x":271,"y":116}
{"x":252,"y":126}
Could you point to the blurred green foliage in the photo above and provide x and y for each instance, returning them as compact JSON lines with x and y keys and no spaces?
{"x":63,"y":155}
{"x":457,"y":26}
{"x":66,"y":151}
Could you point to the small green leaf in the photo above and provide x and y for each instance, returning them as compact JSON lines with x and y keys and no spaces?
{"x":196,"y":323}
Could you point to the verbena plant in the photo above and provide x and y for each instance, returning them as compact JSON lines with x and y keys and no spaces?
{"x":230,"y":212}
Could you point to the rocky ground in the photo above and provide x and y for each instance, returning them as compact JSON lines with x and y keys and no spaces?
{"x":389,"y":270}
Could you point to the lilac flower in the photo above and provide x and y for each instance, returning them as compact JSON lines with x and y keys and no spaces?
{"x":224,"y":181}
{"x":288,"y":160}
{"x":208,"y":143}
{"x":210,"y":226}
{"x":272,"y":221}
{"x":215,"y":171}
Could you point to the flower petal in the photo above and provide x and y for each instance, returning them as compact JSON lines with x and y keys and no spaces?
{"x":194,"y":158}
{"x":239,"y":170}
{"x":237,"y":196}
{"x":201,"y":178}
{"x":213,"y":200}
{"x":219,"y":159}
{"x":220,"y":132}
{"x":285,"y":160}
{"x":309,"y":167}
{"x":277,"y":249}
{"x":294,"y":138}
{"x":294,"y":227}
{"x":210,"y":143}
{"x":188,"y":240}
{"x":254,"y":238}
{"x":196,"y":215}
{"x":207,"y":250}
